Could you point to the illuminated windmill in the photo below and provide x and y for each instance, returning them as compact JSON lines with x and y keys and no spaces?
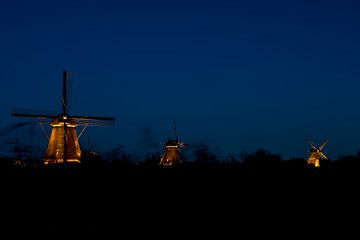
{"x":64,"y":144}
{"x":316,"y":154}
{"x":172,"y":154}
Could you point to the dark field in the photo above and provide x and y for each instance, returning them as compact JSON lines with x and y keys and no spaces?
{"x":131,"y":200}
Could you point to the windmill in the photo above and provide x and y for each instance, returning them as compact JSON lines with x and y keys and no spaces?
{"x":172,"y":155}
{"x":63,"y":146}
{"x":315,"y":153}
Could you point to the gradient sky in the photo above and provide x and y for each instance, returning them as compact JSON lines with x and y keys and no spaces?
{"x":237,"y":75}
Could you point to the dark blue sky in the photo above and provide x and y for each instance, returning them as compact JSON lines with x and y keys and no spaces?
{"x":237,"y":75}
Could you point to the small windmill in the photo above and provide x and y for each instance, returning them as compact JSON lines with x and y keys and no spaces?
{"x":64,"y":144}
{"x":315,"y":153}
{"x":172,"y":154}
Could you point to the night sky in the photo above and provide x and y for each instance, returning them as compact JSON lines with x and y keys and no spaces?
{"x":236,"y":75}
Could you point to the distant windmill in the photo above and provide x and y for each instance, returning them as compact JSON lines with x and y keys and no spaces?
{"x":315,"y":154}
{"x":172,"y":154}
{"x":64,"y":144}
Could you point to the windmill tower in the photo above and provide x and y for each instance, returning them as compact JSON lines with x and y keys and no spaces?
{"x":172,"y":154}
{"x":64,"y":144}
{"x":315,"y":154}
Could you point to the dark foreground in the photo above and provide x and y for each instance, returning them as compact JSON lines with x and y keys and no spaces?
{"x":188,"y":201}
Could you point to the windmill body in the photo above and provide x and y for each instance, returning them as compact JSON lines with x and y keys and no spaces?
{"x":63,"y":146}
{"x":58,"y":150}
{"x":316,"y":154}
{"x":314,"y":158}
{"x":172,"y":154}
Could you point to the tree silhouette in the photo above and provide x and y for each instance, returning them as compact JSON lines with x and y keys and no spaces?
{"x":203,"y":156}
{"x":261,"y":159}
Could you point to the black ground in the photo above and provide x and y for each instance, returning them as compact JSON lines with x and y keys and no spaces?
{"x":204,"y":200}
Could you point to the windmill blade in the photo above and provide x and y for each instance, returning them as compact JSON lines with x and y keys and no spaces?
{"x":16,"y":114}
{"x":176,"y":137}
{"x":183,"y":145}
{"x":95,"y":118}
{"x":322,"y":155}
{"x":323,"y":145}
{"x":66,"y":75}
{"x":23,"y":112}
{"x":94,"y":123}
{"x":311,"y":143}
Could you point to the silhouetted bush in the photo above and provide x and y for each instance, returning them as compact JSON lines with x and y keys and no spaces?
{"x":152,"y":160}
{"x":203,"y":156}
{"x":6,"y":163}
{"x":92,"y":159}
{"x":262,"y":159}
